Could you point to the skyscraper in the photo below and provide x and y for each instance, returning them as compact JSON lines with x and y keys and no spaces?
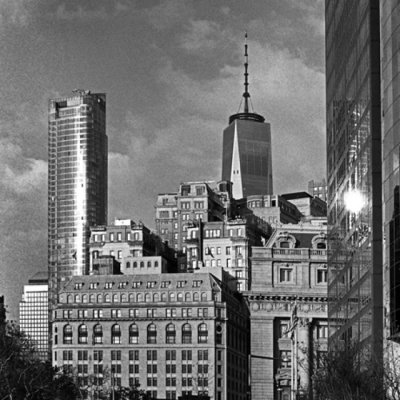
{"x":77,"y":186}
{"x":246,"y":150}
{"x":34,"y":313}
{"x":354,"y":163}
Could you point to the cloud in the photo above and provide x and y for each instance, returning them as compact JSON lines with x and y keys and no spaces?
{"x":15,"y":12}
{"x":201,"y":35}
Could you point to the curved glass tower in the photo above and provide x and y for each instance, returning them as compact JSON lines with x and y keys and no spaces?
{"x":77,"y":181}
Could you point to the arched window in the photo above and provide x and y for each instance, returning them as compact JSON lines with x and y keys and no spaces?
{"x":124,"y":298}
{"x":135,"y":264}
{"x":107,"y":298}
{"x":133,"y":334}
{"x":188,"y":297}
{"x":218,"y":334}
{"x":195,"y":296}
{"x":69,"y":298}
{"x":321,"y":245}
{"x":172,"y":296}
{"x":82,"y":334}
{"x":148,"y":264}
{"x":99,"y":298}
{"x":202,"y":333}
{"x":95,"y":254}
{"x":155,"y":264}
{"x":115,"y":298}
{"x":92,"y":298}
{"x":164,"y":296}
{"x":131,"y":297}
{"x":128,"y":264}
{"x":170,"y":334}
{"x":186,"y":334}
{"x":140,"y":297}
{"x":98,"y":334}
{"x":151,"y":334}
{"x":180,"y":296}
{"x":156,"y":298}
{"x":147,"y":297}
{"x":203,"y":296}
{"x":116,"y":334}
{"x":67,"y":334}
{"x":77,"y":298}
{"x":85,"y":298}
{"x":141,"y":264}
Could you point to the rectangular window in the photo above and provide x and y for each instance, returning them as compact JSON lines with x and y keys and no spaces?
{"x":322,"y":275}
{"x":134,"y":355}
{"x":187,"y":355}
{"x":133,"y":313}
{"x":119,"y":254}
{"x":185,"y":205}
{"x":285,"y":274}
{"x":116,"y":355}
{"x":115,"y":313}
{"x":119,"y":236}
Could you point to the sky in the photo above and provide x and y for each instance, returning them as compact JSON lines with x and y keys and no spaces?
{"x":172,"y":71}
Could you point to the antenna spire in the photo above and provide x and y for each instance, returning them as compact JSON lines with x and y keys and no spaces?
{"x":246,"y":93}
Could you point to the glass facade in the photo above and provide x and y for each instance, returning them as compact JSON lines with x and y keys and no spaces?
{"x":77,"y":181}
{"x":390,"y":23}
{"x":246,"y":155}
{"x":354,"y":172}
{"x":34,"y":314}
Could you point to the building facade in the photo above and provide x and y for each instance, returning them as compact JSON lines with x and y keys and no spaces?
{"x":246,"y":150}
{"x":77,"y":181}
{"x":354,"y":166}
{"x":174,"y":334}
{"x":197,"y":200}
{"x":226,"y":244}
{"x":34,"y":313}
{"x":318,"y":189}
{"x":133,"y":246}
{"x":288,"y":310}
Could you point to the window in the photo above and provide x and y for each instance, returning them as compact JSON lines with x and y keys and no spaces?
{"x":82,"y":334}
{"x":151,"y":312}
{"x":115,"y":313}
{"x":186,"y":334}
{"x":322,"y":331}
{"x":67,"y":334}
{"x":133,"y":334}
{"x":322,"y":275}
{"x":283,"y":328}
{"x":119,"y":254}
{"x":119,"y":236}
{"x":170,"y":312}
{"x":151,"y":334}
{"x":186,"y":355}
{"x":202,"y":333}
{"x":111,"y":237}
{"x":285,"y":274}
{"x":98,"y":334}
{"x":185,"y":205}
{"x":116,"y":355}
{"x":116,"y":334}
{"x":170,"y":334}
{"x":284,"y":245}
{"x":133,"y":313}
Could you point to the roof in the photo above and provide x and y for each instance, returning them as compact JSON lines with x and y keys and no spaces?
{"x":296,"y":195}
{"x":41,"y":277}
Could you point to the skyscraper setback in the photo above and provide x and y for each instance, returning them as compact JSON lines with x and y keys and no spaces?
{"x":77,"y":182}
{"x":246,"y":150}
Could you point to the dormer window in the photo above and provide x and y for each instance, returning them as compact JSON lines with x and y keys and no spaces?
{"x":284,"y":245}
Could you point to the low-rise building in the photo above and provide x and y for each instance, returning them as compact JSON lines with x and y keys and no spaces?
{"x":288,"y":310}
{"x":174,"y":334}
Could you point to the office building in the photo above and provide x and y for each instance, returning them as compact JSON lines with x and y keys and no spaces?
{"x":34,"y":313}
{"x":246,"y":150}
{"x":132,"y":245}
{"x":174,"y":334}
{"x":288,"y":310}
{"x":318,"y":189}
{"x":226,"y":244}
{"x":353,"y":95}
{"x":195,"y":200}
{"x":77,"y":181}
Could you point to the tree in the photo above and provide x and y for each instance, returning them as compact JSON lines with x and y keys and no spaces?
{"x":23,"y":375}
{"x":352,"y":374}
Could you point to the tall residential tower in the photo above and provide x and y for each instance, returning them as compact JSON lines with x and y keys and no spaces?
{"x":77,"y":186}
{"x":246,"y":151}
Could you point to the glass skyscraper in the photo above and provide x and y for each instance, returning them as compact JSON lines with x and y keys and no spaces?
{"x":77,"y":181}
{"x":354,"y":164}
{"x":246,"y":150}
{"x":34,"y":313}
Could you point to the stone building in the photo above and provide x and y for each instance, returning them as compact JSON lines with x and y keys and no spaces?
{"x":288,"y":309}
{"x":174,"y":334}
{"x":133,"y":246}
